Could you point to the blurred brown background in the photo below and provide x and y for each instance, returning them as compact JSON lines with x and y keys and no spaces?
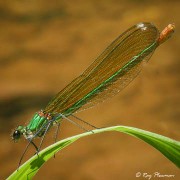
{"x":45,"y":44}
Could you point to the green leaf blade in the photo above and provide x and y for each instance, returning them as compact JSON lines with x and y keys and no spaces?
{"x":168,"y":147}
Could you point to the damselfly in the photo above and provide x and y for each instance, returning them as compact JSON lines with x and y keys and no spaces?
{"x":113,"y":70}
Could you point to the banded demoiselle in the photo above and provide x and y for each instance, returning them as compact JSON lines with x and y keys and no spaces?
{"x":113,"y":70}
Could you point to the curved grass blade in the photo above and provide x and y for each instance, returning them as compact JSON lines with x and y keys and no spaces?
{"x":168,"y":147}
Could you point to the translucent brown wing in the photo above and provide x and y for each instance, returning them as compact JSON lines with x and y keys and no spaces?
{"x":113,"y":70}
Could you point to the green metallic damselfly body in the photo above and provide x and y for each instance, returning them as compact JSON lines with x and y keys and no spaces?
{"x":113,"y":70}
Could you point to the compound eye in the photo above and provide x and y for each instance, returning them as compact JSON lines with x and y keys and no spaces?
{"x":16,"y":135}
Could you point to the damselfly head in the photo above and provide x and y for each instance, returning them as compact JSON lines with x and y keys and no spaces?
{"x":17,"y":133}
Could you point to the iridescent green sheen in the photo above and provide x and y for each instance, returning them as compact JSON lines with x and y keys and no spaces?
{"x":36,"y":122}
